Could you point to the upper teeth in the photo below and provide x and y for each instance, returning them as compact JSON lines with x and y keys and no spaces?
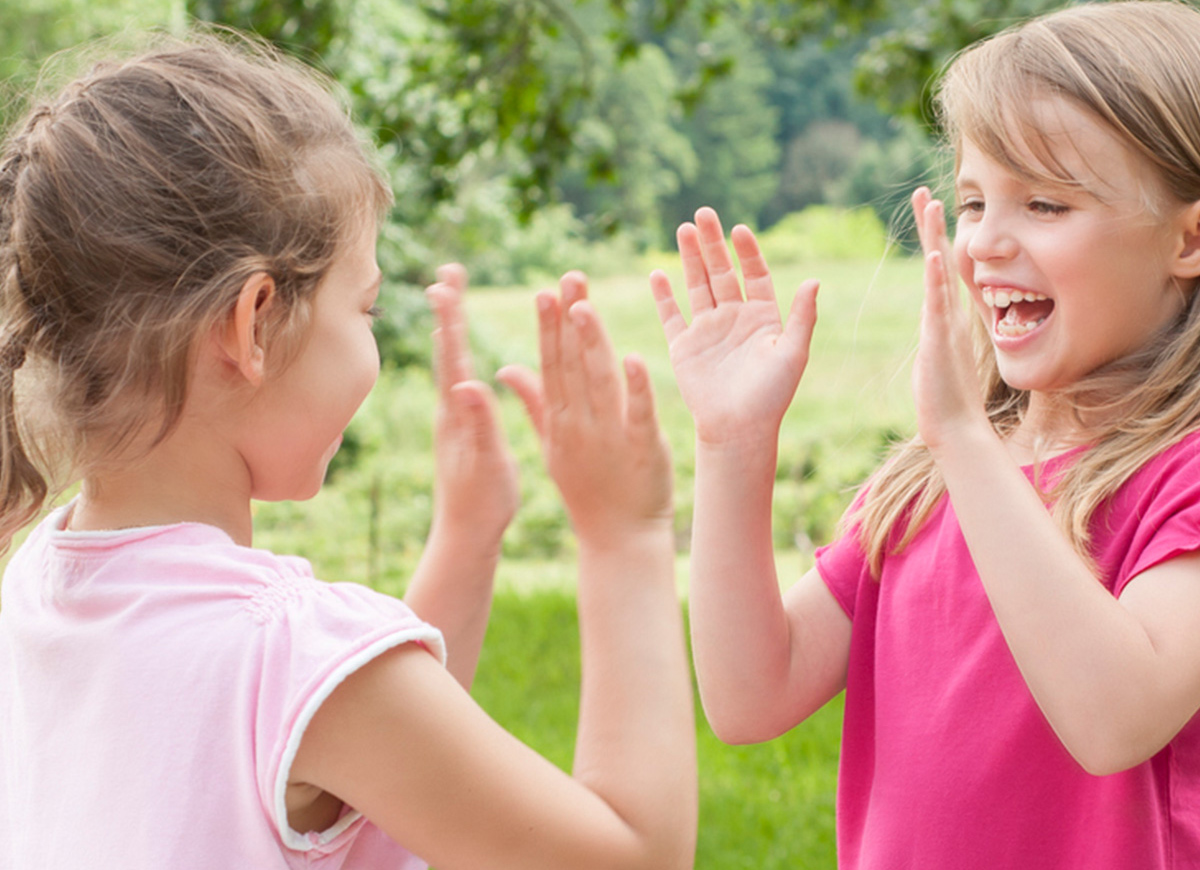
{"x":1005,"y":298}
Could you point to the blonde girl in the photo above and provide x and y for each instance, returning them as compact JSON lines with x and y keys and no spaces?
{"x":187,"y":285}
{"x":1013,"y":608}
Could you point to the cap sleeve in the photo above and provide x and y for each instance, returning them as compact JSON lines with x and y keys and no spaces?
{"x":315,"y":635}
{"x":1153,"y":518}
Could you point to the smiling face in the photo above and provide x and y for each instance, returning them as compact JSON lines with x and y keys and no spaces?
{"x":1067,"y":277}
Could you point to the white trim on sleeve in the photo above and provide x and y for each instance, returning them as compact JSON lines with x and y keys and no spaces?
{"x":305,"y":842}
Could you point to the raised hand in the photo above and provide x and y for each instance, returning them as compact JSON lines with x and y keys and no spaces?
{"x":946,"y":385}
{"x":737,"y":364}
{"x":600,"y":438}
{"x":476,"y":479}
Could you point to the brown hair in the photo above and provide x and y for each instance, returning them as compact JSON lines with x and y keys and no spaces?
{"x":133,"y":207}
{"x":1134,"y":66}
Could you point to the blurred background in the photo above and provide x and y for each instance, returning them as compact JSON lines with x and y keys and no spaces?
{"x":527,"y":137}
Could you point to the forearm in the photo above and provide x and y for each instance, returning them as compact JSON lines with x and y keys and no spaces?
{"x":636,"y":741}
{"x":451,"y":589}
{"x":740,"y":636}
{"x":1087,"y":660}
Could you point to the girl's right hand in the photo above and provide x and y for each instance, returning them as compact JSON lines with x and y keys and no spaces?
{"x":737,"y":364}
{"x":946,"y":387}
{"x":476,"y":486}
{"x":601,"y":441}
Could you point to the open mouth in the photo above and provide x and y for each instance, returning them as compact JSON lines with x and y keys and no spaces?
{"x":1017,"y":312}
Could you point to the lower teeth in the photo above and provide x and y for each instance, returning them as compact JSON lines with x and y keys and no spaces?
{"x":1009,"y":329}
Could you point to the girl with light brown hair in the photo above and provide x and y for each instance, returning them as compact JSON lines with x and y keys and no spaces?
{"x":1013,"y":605}
{"x":187,"y":285}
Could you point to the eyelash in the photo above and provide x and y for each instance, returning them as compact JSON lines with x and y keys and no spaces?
{"x":375,"y":312}
{"x":1052,"y":208}
{"x":1038,"y":206}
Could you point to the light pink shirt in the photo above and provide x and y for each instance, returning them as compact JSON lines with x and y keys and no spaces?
{"x":154,"y":687}
{"x":947,"y":761}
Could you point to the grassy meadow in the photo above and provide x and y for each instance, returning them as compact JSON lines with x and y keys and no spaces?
{"x":764,"y":806}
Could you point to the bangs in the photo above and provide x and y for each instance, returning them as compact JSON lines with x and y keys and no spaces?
{"x":991,"y":96}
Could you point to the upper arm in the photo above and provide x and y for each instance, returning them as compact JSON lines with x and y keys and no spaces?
{"x":1165,"y":601}
{"x":812,"y":659}
{"x":820,"y":642}
{"x":404,"y":744}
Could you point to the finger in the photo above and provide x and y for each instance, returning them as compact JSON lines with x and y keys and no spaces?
{"x":669,"y":314}
{"x":938,"y":303}
{"x":935,"y":226}
{"x":599,"y":361}
{"x":573,"y":287}
{"x":478,"y":414}
{"x":802,"y":319}
{"x":695,"y":274}
{"x":528,"y":387}
{"x":941,"y":236}
{"x":573,"y":378}
{"x":452,"y":361}
{"x":549,"y":346}
{"x":639,"y":408}
{"x":754,"y":266}
{"x":721,"y":275}
{"x":920,"y":201}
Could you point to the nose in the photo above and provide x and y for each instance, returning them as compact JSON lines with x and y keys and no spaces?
{"x":988,"y":238}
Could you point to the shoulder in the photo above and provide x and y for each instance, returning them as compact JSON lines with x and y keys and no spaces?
{"x":197,"y":577}
{"x":1170,"y":480}
{"x":1153,"y":517}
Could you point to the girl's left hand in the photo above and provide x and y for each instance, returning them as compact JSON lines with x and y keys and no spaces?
{"x":476,"y":487}
{"x":946,"y":388}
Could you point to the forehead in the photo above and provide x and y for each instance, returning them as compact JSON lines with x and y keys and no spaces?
{"x":1053,"y":141}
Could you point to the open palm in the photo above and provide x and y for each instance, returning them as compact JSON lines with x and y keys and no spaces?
{"x":737,"y":363}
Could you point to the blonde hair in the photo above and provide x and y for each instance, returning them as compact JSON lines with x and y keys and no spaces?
{"x":133,"y":207}
{"x":1135,"y":67}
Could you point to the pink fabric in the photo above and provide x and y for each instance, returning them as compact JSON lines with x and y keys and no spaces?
{"x":154,"y":686}
{"x":947,"y":762}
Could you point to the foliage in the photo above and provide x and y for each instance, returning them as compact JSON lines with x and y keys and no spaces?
{"x":732,"y":129}
{"x":885,"y":173}
{"x":822,"y":232}
{"x":906,"y":54}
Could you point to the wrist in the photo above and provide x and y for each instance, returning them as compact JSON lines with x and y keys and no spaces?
{"x":742,"y":438}
{"x":462,"y":542}
{"x":744,"y":455}
{"x":643,"y":533}
{"x":966,"y":448}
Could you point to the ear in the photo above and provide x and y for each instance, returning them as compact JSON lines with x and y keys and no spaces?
{"x":1187,"y":258}
{"x":240,"y":336}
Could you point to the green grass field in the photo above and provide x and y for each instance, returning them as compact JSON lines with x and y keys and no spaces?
{"x":763,"y":806}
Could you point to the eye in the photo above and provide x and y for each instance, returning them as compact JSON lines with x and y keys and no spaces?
{"x":375,"y":312}
{"x":1045,"y":207}
{"x":969,"y":207}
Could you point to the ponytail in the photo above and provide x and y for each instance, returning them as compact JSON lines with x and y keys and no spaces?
{"x":23,"y":489}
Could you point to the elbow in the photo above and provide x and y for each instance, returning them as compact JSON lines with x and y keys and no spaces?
{"x":1100,"y":762}
{"x":1103,"y":765}
{"x":1101,"y":754}
{"x":744,"y":726}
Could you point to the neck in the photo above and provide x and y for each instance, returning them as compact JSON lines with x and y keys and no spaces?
{"x":1051,"y":425}
{"x":180,"y":480}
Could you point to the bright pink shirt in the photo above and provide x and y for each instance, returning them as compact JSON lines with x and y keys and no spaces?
{"x":154,"y":687}
{"x":947,"y":762}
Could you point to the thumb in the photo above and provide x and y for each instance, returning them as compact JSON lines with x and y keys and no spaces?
{"x":528,"y":387}
{"x":473,"y":403}
{"x":801,"y":320}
